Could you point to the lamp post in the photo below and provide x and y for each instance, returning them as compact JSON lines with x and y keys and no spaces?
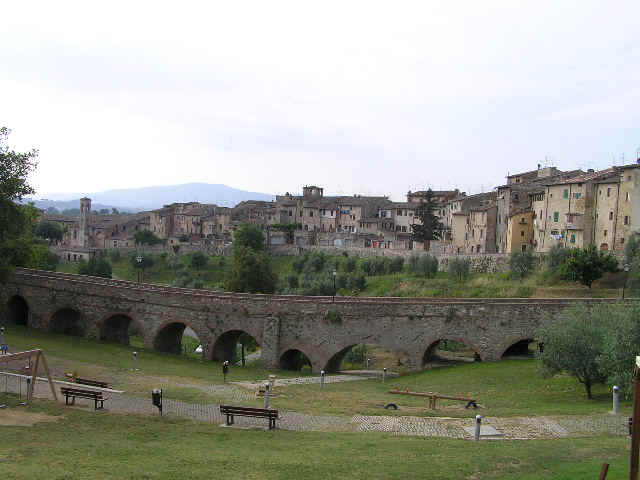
{"x":139,"y":260}
{"x":333,"y":299}
{"x":627,"y":268}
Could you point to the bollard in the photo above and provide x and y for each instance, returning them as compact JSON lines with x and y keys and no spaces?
{"x":135,"y":361}
{"x":368,"y":363}
{"x":321,"y":378}
{"x":384,"y":374}
{"x":616,"y":400}
{"x":156,"y":398}
{"x":476,"y":435}
{"x":266,"y":395}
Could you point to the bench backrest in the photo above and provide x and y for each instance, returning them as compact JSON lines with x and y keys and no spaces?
{"x":78,"y":392}
{"x":93,"y":383}
{"x":224,"y":409}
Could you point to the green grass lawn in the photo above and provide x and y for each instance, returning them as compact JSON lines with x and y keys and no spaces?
{"x":83,"y":445}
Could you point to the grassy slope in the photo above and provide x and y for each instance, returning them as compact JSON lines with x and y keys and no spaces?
{"x":98,"y":446}
{"x":539,"y":285}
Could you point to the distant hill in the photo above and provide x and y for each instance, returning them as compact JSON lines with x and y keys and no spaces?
{"x":149,"y":198}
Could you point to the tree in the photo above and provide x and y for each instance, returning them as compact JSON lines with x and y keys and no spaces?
{"x":146,"y":237}
{"x":49,"y":231}
{"x":521,"y":264}
{"x":586,"y":265}
{"x":429,"y":227}
{"x":250,"y":271}
{"x":631,"y":249}
{"x":573,"y":341}
{"x":249,"y":235}
{"x":96,"y":267}
{"x":16,"y":238}
{"x":198,"y":260}
{"x":459,"y":269}
{"x":621,"y":343}
{"x":146,"y":261}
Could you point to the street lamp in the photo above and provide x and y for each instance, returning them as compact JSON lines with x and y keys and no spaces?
{"x":139,"y":260}
{"x":333,"y":299}
{"x":627,"y":268}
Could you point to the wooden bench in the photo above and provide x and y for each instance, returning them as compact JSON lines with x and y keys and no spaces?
{"x":230,"y":411}
{"x":92,"y":383}
{"x":90,"y":394}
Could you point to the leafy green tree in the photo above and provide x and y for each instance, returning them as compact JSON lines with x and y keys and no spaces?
{"x":459,"y":269}
{"x":16,"y":238}
{"x":103,"y":211}
{"x":573,"y":340}
{"x":198,"y":260}
{"x":521,"y":264}
{"x":250,"y":271}
{"x":96,"y":267}
{"x":288,"y":229}
{"x":49,"y":231}
{"x":621,"y":343}
{"x":146,"y":237}
{"x":43,"y":258}
{"x":586,"y":265}
{"x":430,"y":228}
{"x":427,"y":266}
{"x":250,"y":236}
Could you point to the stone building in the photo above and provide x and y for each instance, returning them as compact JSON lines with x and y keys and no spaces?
{"x":520,"y":230}
{"x":598,"y":208}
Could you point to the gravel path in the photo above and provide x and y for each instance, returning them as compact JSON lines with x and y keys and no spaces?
{"x":510,"y":427}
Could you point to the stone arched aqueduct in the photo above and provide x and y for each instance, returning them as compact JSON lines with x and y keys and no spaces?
{"x":319,"y":327}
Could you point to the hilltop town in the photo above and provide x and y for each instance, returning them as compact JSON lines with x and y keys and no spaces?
{"x":533,"y":211}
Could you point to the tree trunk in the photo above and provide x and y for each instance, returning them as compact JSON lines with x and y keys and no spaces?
{"x":242,"y":354}
{"x":587,"y":387}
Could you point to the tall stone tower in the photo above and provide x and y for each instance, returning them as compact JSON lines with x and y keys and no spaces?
{"x":85,"y":211}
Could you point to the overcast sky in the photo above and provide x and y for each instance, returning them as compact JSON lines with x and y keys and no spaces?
{"x":367,"y":97}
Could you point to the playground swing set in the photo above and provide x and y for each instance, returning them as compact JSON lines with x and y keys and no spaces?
{"x":34,"y":357}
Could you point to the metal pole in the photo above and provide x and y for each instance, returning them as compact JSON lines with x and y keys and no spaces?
{"x":384,"y":374}
{"x":321,"y":378}
{"x":476,"y":435}
{"x":135,"y":361}
{"x":616,"y":400}
{"x":368,"y":363}
{"x":635,"y":429}
{"x":266,"y":395}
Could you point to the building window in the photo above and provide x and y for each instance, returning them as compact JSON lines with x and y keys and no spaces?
{"x":605,"y":233}
{"x":622,"y":240}
{"x":628,"y":196}
{"x":610,"y":215}
{"x":522,"y":233}
{"x":311,"y":214}
{"x":572,"y":239}
{"x":609,"y":192}
{"x":565,"y":193}
{"x":626,"y":220}
{"x":577,"y":195}
{"x":290,"y":213}
{"x":556,"y":216}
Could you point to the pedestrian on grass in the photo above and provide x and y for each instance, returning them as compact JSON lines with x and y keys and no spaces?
{"x":225,"y":369}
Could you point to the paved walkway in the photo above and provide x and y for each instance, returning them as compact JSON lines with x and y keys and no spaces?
{"x":509,"y":427}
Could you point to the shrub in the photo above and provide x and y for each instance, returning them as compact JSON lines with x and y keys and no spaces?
{"x":427,"y":266}
{"x":631,"y":249}
{"x":356,"y":282}
{"x":317,"y":261}
{"x":198,"y":260}
{"x":349,"y":264}
{"x":298,"y":263}
{"x":521,"y":264}
{"x":459,"y":269}
{"x":557,"y":257}
{"x":412,"y":264}
{"x":97,"y":267}
{"x":292,"y":281}
{"x":396,"y":265}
